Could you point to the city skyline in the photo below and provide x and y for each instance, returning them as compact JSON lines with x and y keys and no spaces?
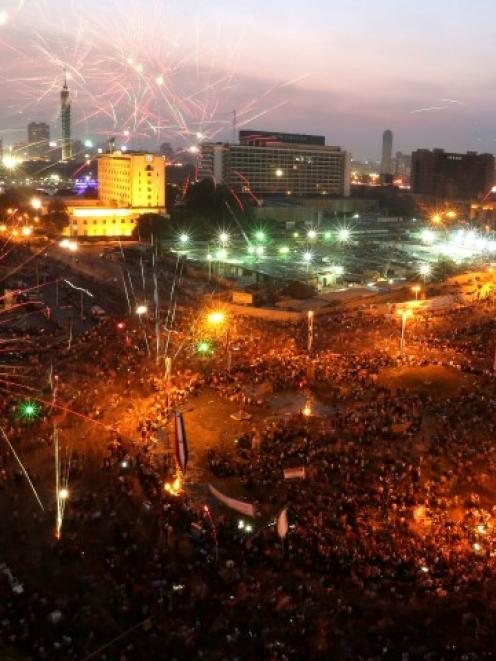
{"x":347,"y":73}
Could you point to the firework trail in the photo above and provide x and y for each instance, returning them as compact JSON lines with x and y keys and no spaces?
{"x":133,"y":77}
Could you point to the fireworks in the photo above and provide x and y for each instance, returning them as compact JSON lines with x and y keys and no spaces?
{"x":139,"y":80}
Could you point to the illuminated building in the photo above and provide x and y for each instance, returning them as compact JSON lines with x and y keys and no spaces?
{"x":277,"y":164}
{"x":65,"y":116}
{"x":448,"y":176}
{"x":129,"y":185}
{"x":38,"y":140}
{"x":387,"y":154}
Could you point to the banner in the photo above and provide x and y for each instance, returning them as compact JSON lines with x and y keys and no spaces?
{"x":282,"y":523}
{"x":294,"y":473}
{"x":181,"y":443}
{"x":238,"y":505}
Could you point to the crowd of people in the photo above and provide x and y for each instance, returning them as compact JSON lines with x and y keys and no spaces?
{"x":392,"y":530}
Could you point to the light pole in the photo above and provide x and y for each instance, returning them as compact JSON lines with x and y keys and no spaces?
{"x":416,"y":291}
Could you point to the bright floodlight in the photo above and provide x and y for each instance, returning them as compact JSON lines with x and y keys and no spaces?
{"x":64,"y":494}
{"x":260,"y":235}
{"x":184,"y":238}
{"x":36,"y":203}
{"x":88,"y":144}
{"x":425,"y":270}
{"x":216,"y":318}
{"x":283,"y":250}
{"x":312,"y":234}
{"x":344,"y":234}
{"x":327,"y":236}
{"x":279,"y":172}
{"x":224,"y":238}
{"x":26,"y":231}
{"x":141,"y":310}
{"x":307,"y":257}
{"x":428,"y":236}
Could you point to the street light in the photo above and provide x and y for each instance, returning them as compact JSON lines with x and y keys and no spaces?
{"x":307,"y":257}
{"x":216,"y":318}
{"x":416,"y":290}
{"x":260,"y":235}
{"x":425,"y":271}
{"x":36,"y":203}
{"x":283,"y":250}
{"x":344,"y":235}
{"x":279,"y":172}
{"x":184,"y":238}
{"x":312,"y":235}
{"x":224,"y":238}
{"x":141,"y":310}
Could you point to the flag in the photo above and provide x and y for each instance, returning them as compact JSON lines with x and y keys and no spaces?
{"x":294,"y":473}
{"x":243,"y":508}
{"x":282,"y":523}
{"x":181,"y":444}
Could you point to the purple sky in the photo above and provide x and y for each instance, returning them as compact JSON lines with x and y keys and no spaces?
{"x":165,"y":70}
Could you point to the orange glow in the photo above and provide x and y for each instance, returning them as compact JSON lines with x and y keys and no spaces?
{"x":216,"y":318}
{"x":175,"y":487}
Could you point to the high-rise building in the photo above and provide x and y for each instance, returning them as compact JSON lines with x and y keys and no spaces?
{"x":387,"y":153}
{"x":402,"y":165}
{"x":275,"y":164}
{"x":65,"y":116}
{"x":132,"y":180}
{"x":448,"y":176}
{"x":38,"y":140}
{"x":129,"y":185}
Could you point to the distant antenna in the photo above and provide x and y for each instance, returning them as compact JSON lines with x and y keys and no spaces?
{"x":235,"y":127}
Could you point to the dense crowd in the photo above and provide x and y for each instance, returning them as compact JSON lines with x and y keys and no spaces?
{"x":392,"y":537}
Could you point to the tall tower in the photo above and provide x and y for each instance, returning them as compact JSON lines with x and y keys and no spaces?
{"x":65,"y":115}
{"x":387,"y":153}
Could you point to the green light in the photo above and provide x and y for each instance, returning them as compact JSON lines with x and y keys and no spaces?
{"x":204,"y":347}
{"x":296,"y":235}
{"x":327,"y":236}
{"x":260,"y":236}
{"x":283,"y":250}
{"x":28,"y":410}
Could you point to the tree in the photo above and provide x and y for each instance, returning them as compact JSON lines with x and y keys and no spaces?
{"x":57,"y":218}
{"x":149,"y":224}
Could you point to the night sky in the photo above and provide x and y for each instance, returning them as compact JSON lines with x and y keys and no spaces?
{"x":151,"y":71}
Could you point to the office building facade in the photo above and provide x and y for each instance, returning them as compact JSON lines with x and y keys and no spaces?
{"x":449,"y":176}
{"x":129,"y":185}
{"x":38,"y":140}
{"x":277,"y":168}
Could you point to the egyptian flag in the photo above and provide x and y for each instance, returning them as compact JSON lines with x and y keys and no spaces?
{"x":282,"y":523}
{"x":181,"y":443}
{"x":243,"y":508}
{"x":294,"y":473}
